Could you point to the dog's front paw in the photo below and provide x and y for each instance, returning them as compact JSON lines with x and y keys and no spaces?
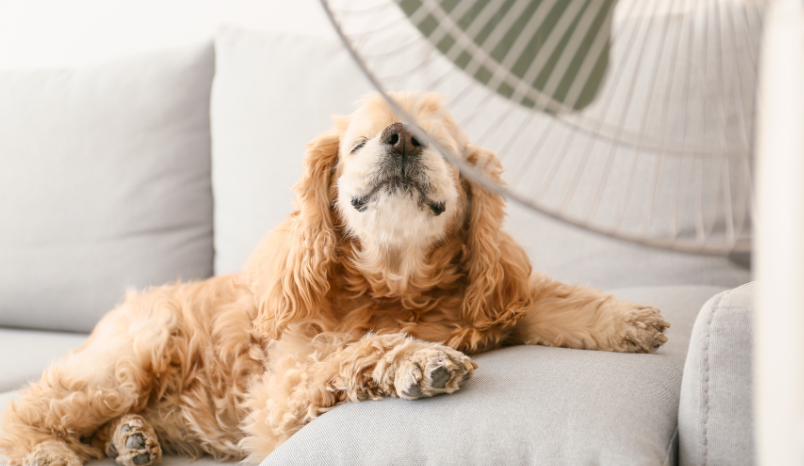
{"x":643,"y":329}
{"x":134,"y":443}
{"x":431,"y":371}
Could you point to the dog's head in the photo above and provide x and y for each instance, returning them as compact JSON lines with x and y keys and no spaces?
{"x":394,"y":191}
{"x":372,"y":180}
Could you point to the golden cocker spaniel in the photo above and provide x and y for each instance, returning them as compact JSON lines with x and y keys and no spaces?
{"x":392,"y":269}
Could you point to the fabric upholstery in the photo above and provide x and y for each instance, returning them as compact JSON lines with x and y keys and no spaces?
{"x":272,"y":94}
{"x":104,"y":184}
{"x":525,"y":405}
{"x":31,"y":352}
{"x":715,"y":415}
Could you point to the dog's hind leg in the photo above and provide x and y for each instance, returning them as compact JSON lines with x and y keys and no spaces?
{"x":309,"y":378}
{"x":52,"y":421}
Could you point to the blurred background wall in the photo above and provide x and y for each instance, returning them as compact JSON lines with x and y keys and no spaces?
{"x":35,"y":33}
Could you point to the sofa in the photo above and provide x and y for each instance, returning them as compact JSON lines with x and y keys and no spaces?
{"x":171,"y":166}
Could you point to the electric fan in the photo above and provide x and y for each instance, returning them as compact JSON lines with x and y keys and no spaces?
{"x":633,"y":119}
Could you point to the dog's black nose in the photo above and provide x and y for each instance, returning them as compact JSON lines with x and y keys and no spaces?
{"x":400,"y":141}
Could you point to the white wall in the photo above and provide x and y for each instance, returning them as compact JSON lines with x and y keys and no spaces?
{"x":37,"y":33}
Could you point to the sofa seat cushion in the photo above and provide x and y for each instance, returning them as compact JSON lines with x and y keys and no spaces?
{"x":525,"y":405}
{"x":29,"y":352}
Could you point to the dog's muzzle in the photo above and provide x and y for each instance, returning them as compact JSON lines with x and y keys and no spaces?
{"x":401,"y":169}
{"x":401,"y":165}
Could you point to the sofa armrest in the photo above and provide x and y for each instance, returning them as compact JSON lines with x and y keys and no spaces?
{"x":715,"y":413}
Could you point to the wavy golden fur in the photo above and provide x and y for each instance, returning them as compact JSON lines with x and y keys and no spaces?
{"x":378,"y":285}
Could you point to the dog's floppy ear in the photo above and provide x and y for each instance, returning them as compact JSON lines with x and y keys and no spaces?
{"x":497,"y":267}
{"x":289,"y":272}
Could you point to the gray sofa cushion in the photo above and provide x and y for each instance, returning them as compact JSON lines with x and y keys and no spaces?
{"x":28,"y":352}
{"x":715,"y":415}
{"x":526,"y":405}
{"x":104,"y":184}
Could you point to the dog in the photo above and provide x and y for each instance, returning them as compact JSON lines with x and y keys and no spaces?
{"x":390,"y":274}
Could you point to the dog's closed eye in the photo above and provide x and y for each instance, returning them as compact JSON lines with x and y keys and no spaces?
{"x":359,"y":146}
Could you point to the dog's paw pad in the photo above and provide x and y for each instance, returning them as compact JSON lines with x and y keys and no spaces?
{"x":432,"y":371}
{"x":413,"y":391}
{"x":144,"y":458}
{"x":439,"y":377}
{"x":134,"y":443}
